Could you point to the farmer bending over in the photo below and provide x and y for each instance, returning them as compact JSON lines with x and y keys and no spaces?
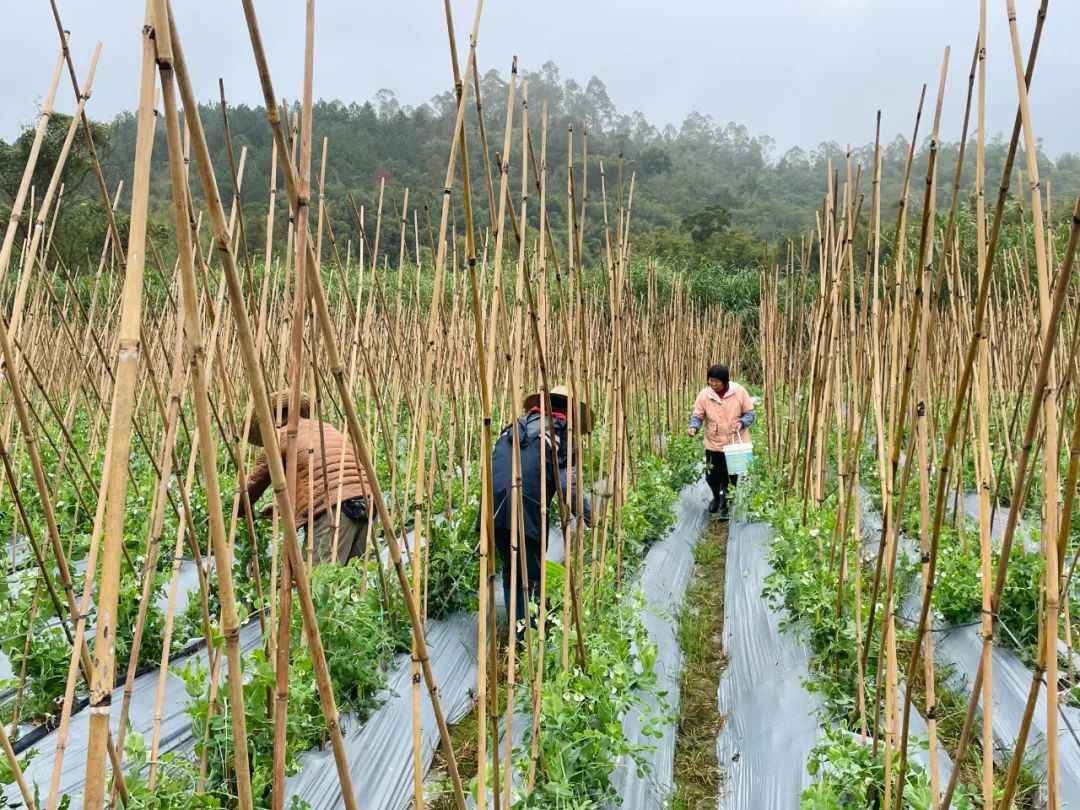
{"x":535,"y":439}
{"x":725,"y":409}
{"x":330,"y":487}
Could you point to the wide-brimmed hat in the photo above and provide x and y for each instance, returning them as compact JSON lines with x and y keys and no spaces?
{"x":278,"y":398}
{"x":584,"y":420}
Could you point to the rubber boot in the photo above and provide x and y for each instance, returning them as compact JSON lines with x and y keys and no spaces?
{"x":723,"y":506}
{"x":714,"y":504}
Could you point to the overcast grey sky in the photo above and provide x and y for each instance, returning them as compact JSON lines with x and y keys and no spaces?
{"x":802,"y":71}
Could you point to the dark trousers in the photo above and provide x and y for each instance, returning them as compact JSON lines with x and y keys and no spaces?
{"x":532,"y":567}
{"x":716,"y":473}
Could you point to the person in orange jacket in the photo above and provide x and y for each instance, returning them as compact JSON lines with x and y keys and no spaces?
{"x":726,"y":411}
{"x":327,"y":469}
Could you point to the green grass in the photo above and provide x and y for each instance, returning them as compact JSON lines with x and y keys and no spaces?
{"x":697,"y":773}
{"x":463,"y":738}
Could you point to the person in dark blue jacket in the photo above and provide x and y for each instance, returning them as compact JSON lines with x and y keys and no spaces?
{"x":535,"y":437}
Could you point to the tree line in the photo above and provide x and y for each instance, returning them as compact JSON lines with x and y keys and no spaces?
{"x":705,"y":194}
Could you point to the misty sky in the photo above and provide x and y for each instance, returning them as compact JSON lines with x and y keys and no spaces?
{"x":802,"y":71}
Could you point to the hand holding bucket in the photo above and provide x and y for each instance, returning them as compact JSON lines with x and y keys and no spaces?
{"x":738,"y":455}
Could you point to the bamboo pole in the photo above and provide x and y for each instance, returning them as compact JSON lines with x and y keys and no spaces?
{"x":518,"y":559}
{"x":291,"y":450}
{"x":126,"y":368}
{"x":983,"y":417}
{"x":46,"y":202}
{"x":230,"y":626}
{"x":355,"y":434}
{"x":922,"y":427}
{"x":1003,"y":191}
{"x":541,"y":621}
{"x":19,"y":202}
{"x":1051,"y":471}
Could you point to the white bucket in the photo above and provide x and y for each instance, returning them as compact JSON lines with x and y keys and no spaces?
{"x":738,"y":457}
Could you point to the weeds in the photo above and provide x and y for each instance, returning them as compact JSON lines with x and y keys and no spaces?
{"x":701,"y":624}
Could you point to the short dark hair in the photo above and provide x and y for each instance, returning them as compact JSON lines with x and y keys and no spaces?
{"x":719,"y":372}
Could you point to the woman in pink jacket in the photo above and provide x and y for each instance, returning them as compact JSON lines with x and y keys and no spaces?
{"x":727,"y":413}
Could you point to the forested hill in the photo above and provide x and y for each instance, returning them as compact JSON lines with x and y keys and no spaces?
{"x":703,"y":190}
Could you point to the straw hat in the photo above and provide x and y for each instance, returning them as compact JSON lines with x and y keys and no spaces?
{"x":584,"y":420}
{"x":282,"y":397}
